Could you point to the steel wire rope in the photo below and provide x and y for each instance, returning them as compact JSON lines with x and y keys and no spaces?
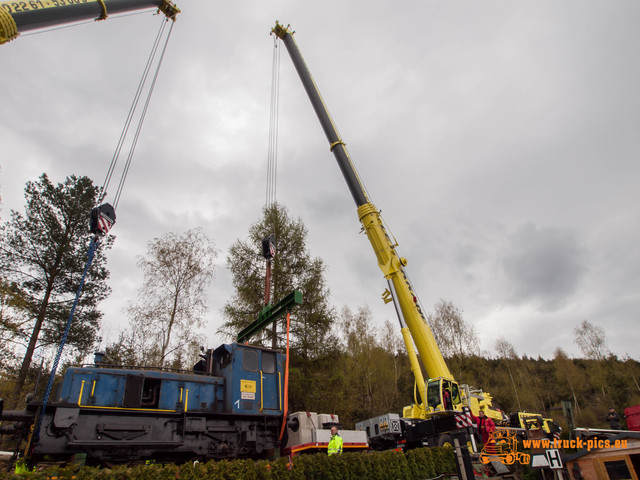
{"x":272,"y":171}
{"x":141,"y":121}
{"x":417,"y":300}
{"x":132,"y":109}
{"x":96,"y":238}
{"x":272,"y":154}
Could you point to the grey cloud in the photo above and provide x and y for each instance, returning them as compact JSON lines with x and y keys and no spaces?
{"x":543,"y":266}
{"x":465,"y":121}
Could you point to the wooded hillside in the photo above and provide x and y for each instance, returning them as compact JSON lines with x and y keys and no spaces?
{"x":367,"y":373}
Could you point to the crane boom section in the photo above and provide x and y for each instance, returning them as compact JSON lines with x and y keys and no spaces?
{"x":337,"y":145}
{"x":20,"y":16}
{"x":392,"y":267}
{"x":388,"y":260}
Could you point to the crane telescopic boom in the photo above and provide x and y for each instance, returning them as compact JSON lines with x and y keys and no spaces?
{"x":410,"y":315}
{"x":20,"y":16}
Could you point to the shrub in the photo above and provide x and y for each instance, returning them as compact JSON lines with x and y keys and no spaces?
{"x":412,"y":465}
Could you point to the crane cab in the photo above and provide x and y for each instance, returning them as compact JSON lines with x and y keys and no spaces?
{"x":443,"y":394}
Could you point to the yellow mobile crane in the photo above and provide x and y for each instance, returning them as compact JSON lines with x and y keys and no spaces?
{"x":413,"y":323}
{"x":18,"y":16}
{"x":442,"y":411}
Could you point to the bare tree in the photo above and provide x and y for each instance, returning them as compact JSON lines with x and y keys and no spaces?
{"x":393,"y":343}
{"x":456,"y":338}
{"x":507,"y":351}
{"x":593,"y":343}
{"x":171,"y":303}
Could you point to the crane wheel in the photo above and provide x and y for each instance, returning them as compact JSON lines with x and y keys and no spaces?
{"x":445,"y":441}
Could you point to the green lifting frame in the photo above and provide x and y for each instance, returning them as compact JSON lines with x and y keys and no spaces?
{"x":270,"y":314}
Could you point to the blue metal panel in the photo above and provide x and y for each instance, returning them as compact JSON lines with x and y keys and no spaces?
{"x":199,"y":396}
{"x":64,"y":391}
{"x":109,"y":388}
{"x":249,"y":390}
{"x":171,"y":396}
{"x":72,"y":391}
{"x":205,"y":393}
{"x":249,"y":383}
{"x":271,"y":383}
{"x":243,"y":384}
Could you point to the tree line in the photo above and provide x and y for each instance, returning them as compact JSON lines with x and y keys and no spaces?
{"x":42,"y":258}
{"x":341,"y":361}
{"x":368,"y":374}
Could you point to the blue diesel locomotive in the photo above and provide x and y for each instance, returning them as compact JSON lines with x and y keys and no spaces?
{"x":231,"y":406}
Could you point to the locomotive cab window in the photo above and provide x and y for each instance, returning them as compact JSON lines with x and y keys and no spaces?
{"x":222,"y":360}
{"x":250,"y":360}
{"x":150,"y":393}
{"x":268,"y":362}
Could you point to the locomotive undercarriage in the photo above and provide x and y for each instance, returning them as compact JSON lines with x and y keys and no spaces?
{"x":124,"y":437}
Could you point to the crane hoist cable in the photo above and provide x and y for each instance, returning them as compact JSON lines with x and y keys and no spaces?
{"x":272,"y":154}
{"x":103,"y":216}
{"x":132,"y":110}
{"x":142,"y":117}
{"x":269,"y":242}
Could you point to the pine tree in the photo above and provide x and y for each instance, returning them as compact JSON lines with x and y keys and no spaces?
{"x":568,"y":376}
{"x":292,"y":268}
{"x":43,"y":255}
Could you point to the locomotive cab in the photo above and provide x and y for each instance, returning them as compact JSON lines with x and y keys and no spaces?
{"x":254,"y":378}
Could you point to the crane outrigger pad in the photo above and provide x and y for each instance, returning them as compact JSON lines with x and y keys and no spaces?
{"x":270,"y":314}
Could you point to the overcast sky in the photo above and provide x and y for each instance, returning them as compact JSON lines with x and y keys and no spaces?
{"x":500,"y":139}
